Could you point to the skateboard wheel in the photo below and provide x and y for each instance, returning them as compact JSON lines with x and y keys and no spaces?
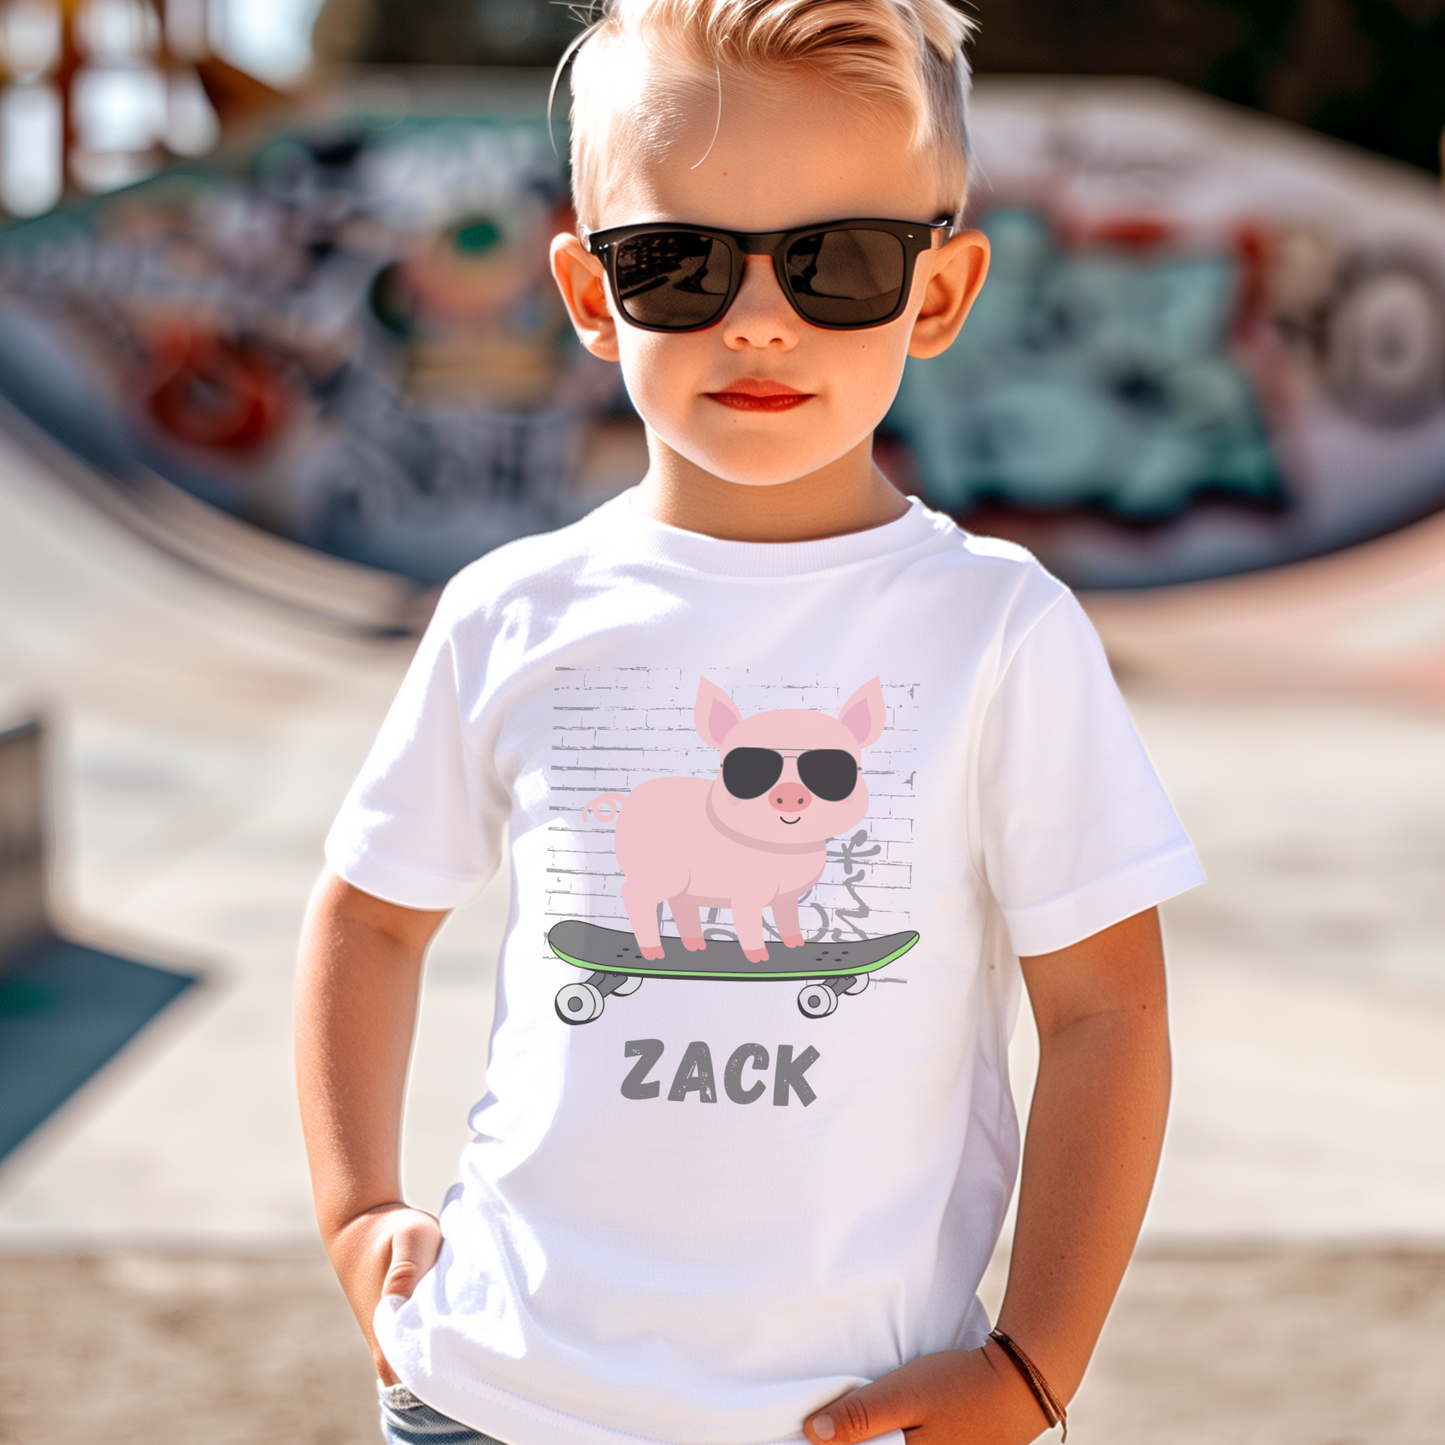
{"x":817,"y":1000}
{"x":627,"y":986}
{"x":857,"y":984}
{"x":578,"y":1003}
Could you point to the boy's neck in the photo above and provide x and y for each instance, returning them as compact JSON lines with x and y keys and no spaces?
{"x":849,"y":495}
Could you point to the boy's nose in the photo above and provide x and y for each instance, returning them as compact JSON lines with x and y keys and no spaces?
{"x":760,"y":315}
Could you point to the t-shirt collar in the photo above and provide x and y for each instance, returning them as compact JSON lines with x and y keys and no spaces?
{"x":633,"y":533}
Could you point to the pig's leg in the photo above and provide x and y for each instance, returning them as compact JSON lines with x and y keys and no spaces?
{"x":689,"y":921}
{"x":748,"y":920}
{"x":641,"y":905}
{"x":785,"y":915}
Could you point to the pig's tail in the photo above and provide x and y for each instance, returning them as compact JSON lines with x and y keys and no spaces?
{"x":603,"y":808}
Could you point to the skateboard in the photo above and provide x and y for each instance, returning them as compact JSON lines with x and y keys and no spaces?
{"x":618,"y":966}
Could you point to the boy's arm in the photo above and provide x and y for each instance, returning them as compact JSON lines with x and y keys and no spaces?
{"x":357,"y":982}
{"x":1094,"y":1136}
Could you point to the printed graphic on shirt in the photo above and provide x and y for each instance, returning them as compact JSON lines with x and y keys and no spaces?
{"x":760,"y":838}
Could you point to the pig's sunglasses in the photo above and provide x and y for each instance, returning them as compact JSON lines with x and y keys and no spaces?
{"x":842,"y":275}
{"x":830,"y":773}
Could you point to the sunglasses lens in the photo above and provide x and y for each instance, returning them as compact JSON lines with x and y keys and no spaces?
{"x":750,"y":772}
{"x":852,"y":277}
{"x":674,"y":280}
{"x":829,"y":772}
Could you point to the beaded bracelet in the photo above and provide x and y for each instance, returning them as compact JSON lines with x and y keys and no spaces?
{"x":1049,"y":1402}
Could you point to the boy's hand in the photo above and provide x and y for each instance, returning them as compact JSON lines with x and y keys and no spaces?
{"x":383,"y":1252}
{"x":957,"y":1397}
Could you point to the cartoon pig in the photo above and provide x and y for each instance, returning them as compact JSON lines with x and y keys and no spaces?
{"x":756,"y":835}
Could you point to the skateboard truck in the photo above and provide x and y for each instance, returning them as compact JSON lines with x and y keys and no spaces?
{"x":580,"y":1003}
{"x":818,"y":1000}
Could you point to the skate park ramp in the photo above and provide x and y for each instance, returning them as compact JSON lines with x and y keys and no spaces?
{"x":65,"y":1009}
{"x":210,"y":693}
{"x":1210,"y":344}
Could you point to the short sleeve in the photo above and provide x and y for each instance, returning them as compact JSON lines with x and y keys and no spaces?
{"x":422,"y":824}
{"x":1076,"y":830}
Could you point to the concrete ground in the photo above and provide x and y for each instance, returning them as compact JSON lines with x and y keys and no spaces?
{"x":1273,"y":1347}
{"x":155,"y":1237}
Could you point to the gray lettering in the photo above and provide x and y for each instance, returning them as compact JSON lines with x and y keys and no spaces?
{"x":790,"y":1074}
{"x":694,"y":1075}
{"x":647,"y":1052}
{"x":733,"y":1073}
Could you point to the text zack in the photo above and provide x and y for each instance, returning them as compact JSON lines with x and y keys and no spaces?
{"x":695,"y":1074}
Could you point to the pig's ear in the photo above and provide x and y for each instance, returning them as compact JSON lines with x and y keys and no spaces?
{"x":715,"y":713}
{"x":862,"y":714}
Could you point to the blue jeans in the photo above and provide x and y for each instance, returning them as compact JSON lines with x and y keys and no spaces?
{"x":406,"y":1421}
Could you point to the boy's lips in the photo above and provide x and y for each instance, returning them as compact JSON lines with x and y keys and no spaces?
{"x":752,"y":394}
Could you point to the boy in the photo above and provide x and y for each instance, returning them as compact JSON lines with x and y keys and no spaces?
{"x":815,"y":731}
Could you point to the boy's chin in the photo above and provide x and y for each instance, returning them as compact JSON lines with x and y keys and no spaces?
{"x":760,"y":467}
{"x":759,"y":481}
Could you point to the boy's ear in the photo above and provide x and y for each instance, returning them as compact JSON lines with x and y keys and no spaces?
{"x":956,"y":277}
{"x":583,"y":284}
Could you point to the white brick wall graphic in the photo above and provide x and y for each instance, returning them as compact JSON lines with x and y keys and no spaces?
{"x":614,"y":727}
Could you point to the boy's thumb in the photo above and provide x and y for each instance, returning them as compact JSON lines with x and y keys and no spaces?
{"x":870,"y":1411}
{"x":414,"y":1249}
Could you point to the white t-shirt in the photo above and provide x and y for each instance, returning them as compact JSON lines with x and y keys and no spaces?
{"x":697,"y":1209}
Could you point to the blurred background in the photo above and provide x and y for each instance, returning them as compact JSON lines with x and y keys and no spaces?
{"x":278,"y":354}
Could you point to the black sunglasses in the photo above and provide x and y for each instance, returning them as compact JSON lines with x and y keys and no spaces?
{"x":829,"y":772}
{"x":844,"y":275}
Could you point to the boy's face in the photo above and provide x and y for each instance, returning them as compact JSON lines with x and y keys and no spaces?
{"x":762,"y":396}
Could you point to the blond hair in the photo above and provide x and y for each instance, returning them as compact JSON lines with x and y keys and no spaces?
{"x":906,"y":55}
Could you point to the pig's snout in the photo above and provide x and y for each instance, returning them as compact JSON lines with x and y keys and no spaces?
{"x":790,"y":797}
